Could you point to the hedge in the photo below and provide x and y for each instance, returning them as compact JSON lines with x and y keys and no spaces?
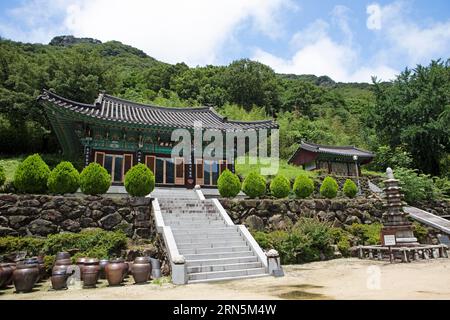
{"x":31,"y":175}
{"x":139,"y":181}
{"x":64,"y":178}
{"x":228,"y":184}
{"x":94,"y":179}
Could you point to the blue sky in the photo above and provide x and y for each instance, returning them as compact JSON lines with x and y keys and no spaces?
{"x":346,"y":40}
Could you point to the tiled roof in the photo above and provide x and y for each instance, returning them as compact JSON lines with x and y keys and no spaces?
{"x":347,"y":151}
{"x":114,"y":109}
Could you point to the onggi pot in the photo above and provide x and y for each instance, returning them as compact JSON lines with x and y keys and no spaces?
{"x":115,"y":271}
{"x":6,"y":272}
{"x":141,"y":270}
{"x":90,"y":272}
{"x":102,"y":265}
{"x":25,"y":276}
{"x":80,"y":264}
{"x":62,"y":256}
{"x":61,"y":264}
{"x":59,"y":279}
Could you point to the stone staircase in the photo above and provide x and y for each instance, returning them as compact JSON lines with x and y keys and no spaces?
{"x":213,"y":249}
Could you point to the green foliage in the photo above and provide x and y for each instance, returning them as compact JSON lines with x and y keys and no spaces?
{"x":139,"y":181}
{"x":416,"y":187}
{"x":95,"y":243}
{"x":2,"y":176}
{"x":420,"y":232}
{"x":366,"y":234}
{"x":254,"y":185}
{"x":94,"y":179}
{"x":443,"y":184}
{"x":386,"y":156}
{"x":303,"y":186}
{"x":413,"y":111}
{"x":280,"y":186}
{"x":31,"y":175}
{"x":228,"y":184}
{"x":350,"y":189}
{"x":64,"y":178}
{"x":329,"y":188}
{"x":342,"y":239}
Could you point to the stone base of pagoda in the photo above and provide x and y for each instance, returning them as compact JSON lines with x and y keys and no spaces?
{"x":404,"y":235}
{"x":402,"y":254}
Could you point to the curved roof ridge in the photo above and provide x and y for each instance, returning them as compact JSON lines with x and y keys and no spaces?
{"x":137,"y":104}
{"x":48,"y":92}
{"x":333,"y":147}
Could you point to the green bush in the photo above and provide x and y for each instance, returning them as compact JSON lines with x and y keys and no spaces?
{"x":94,"y":179}
{"x":420,"y":232}
{"x":95,"y":243}
{"x":228,"y":184}
{"x":416,"y":187}
{"x":31,"y":175}
{"x":280,"y":186}
{"x":366,"y":234}
{"x":2,"y":176}
{"x":443,"y":184}
{"x":254,"y":185}
{"x":329,"y":188}
{"x":342,"y":239}
{"x":64,"y":178}
{"x":350,"y":189}
{"x":303,"y":186}
{"x":139,"y":181}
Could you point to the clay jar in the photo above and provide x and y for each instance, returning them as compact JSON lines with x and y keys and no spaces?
{"x":61,"y":264}
{"x":62,"y":256}
{"x":102,"y":265}
{"x":26,"y":275}
{"x":115,"y":271}
{"x":141,"y":270}
{"x":90,"y":272}
{"x":59,"y":279}
{"x":6,"y":272}
{"x":80,"y":264}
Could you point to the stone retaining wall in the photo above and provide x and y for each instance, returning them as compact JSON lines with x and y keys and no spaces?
{"x":40,"y":215}
{"x":269,"y":215}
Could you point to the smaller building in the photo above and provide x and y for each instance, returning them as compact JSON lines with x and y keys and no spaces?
{"x":333,"y":159}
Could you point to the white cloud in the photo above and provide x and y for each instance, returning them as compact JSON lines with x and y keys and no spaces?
{"x":406,"y":40}
{"x":170,"y":30}
{"x":316,"y":52}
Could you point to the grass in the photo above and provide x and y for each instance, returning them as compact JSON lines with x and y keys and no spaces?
{"x":289,"y":171}
{"x":10,"y":165}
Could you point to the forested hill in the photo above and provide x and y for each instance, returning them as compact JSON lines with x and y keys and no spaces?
{"x":308,"y":107}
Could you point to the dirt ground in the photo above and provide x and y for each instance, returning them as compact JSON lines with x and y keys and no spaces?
{"x":335,"y":279}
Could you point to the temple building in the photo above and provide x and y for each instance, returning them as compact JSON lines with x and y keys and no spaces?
{"x":119,"y":134}
{"x":337,"y":160}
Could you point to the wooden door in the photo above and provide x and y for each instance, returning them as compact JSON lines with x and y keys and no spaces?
{"x":199,"y":175}
{"x":179,"y":171}
{"x":150,"y":163}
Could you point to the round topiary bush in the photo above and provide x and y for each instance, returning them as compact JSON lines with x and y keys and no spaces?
{"x":64,"y":178}
{"x":329,"y":188}
{"x":139,"y":181}
{"x":350,"y":189}
{"x":280,"y":186}
{"x":31,"y":175}
{"x":2,"y":176}
{"x":228,"y":184}
{"x":254,"y":185}
{"x":94,"y":179}
{"x":303,"y":186}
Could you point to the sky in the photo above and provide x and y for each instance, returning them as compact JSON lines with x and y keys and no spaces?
{"x":348,"y":40}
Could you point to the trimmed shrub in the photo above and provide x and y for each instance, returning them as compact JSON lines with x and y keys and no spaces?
{"x":2,"y":176}
{"x":350,"y":189}
{"x":31,"y":175}
{"x":228,"y":184}
{"x":280,"y":186}
{"x":94,"y":179}
{"x":139,"y":180}
{"x":254,"y":185}
{"x":303,"y":186}
{"x":63,"y":179}
{"x":329,"y":188}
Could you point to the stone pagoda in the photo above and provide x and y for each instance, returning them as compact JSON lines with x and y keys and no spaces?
{"x":395,"y":221}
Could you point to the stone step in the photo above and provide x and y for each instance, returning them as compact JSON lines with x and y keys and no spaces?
{"x":224,"y":267}
{"x":171,"y":221}
{"x":228,"y":278}
{"x":226,"y":274}
{"x":211,"y":244}
{"x":218,"y":262}
{"x":194,"y":250}
{"x":183,"y":238}
{"x":190,"y":214}
{"x":219,"y":255}
{"x":204,"y":229}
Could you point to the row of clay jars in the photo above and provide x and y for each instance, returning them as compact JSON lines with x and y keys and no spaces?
{"x":6,"y":274}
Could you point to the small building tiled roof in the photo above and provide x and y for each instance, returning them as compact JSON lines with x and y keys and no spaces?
{"x":344,"y":151}
{"x":107,"y":107}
